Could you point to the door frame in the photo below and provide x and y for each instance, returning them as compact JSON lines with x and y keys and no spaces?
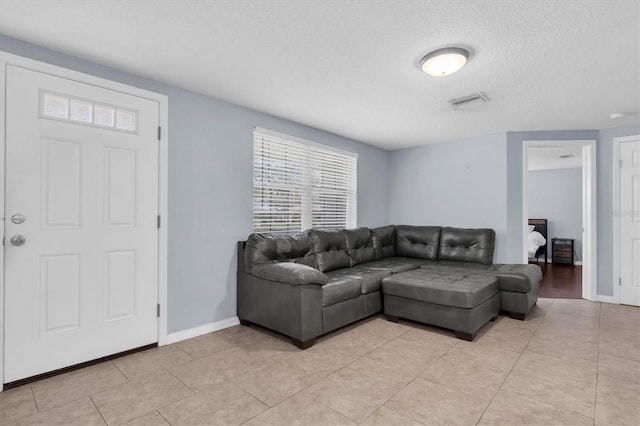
{"x":163,"y":149}
{"x":617,"y":145}
{"x":589,"y":210}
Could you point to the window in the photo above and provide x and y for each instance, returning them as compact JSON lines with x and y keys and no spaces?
{"x":299,"y":184}
{"x":89,"y":113}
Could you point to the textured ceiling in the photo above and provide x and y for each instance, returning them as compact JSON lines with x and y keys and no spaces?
{"x":352,"y":67}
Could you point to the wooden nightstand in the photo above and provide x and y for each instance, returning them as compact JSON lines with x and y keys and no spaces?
{"x":562,"y":250}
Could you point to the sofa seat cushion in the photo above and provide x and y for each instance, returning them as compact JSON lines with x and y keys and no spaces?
{"x":394,"y":264}
{"x":457,"y":265}
{"x":458,"y":289}
{"x":371,"y":278}
{"x":519,"y":278}
{"x":339,"y":289}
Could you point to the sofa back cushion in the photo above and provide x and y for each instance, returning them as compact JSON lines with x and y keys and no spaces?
{"x":359,"y":245}
{"x":265,"y":247}
{"x":421,"y":242}
{"x":467,"y":245}
{"x":330,"y":248}
{"x":384,"y":241}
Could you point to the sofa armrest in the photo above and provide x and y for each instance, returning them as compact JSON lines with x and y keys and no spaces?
{"x":289,"y":272}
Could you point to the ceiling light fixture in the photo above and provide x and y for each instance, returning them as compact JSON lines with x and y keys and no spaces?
{"x":444,"y":61}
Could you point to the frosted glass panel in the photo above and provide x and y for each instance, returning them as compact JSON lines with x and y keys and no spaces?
{"x":87,"y":112}
{"x":56,"y":106}
{"x":81,"y":111}
{"x":125,"y":120}
{"x":104,"y":116}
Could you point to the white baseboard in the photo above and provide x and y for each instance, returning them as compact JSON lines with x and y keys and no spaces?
{"x":200,"y":330}
{"x":606,"y":299}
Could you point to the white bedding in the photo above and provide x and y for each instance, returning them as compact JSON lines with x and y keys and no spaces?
{"x":535,"y":240}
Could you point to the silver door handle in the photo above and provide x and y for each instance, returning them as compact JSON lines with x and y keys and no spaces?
{"x":17,"y":240}
{"x":18,"y":218}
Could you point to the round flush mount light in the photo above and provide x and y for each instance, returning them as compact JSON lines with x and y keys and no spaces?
{"x":444,"y":61}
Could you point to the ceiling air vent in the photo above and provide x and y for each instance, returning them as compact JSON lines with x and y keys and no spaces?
{"x":479,"y":96}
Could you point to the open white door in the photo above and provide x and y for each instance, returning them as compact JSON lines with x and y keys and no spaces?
{"x":81,"y":206}
{"x":629,"y":223}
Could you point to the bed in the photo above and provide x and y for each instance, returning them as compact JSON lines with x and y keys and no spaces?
{"x":537,"y":239}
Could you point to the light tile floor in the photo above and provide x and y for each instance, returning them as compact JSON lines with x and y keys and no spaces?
{"x":571,"y":362}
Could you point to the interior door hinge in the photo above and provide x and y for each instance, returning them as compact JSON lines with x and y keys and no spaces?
{"x":621,"y":163}
{"x":158,"y":310}
{"x":158,"y":221}
{"x":159,"y":132}
{"x":620,"y":281}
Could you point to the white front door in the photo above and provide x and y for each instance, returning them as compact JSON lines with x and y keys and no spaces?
{"x":81,"y":249}
{"x":629,"y":215}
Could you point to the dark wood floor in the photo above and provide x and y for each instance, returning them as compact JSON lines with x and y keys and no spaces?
{"x":561,"y":281}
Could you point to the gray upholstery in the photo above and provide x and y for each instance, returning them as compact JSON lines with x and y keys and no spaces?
{"x":370,"y":278}
{"x":343,"y":313}
{"x":458,"y":319}
{"x":290,"y":273}
{"x":384,"y":241}
{"x":394,"y":264}
{"x":309,"y":283}
{"x":421,"y":242}
{"x":462,"y":290}
{"x":456,"y":264}
{"x":330,"y":248}
{"x":372,"y":303}
{"x":293,"y":310}
{"x":271,"y":248}
{"x":359,"y":245}
{"x":519,"y":278}
{"x":339,"y":289}
{"x":519,"y":303}
{"x":467,"y":245}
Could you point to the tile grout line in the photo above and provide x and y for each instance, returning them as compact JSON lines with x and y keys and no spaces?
{"x":35,"y":401}
{"x":409,"y":384}
{"x":339,"y":369}
{"x":595,"y":396}
{"x":161,"y":415}
{"x":121,"y":372}
{"x":99,"y":412}
{"x":508,"y":374}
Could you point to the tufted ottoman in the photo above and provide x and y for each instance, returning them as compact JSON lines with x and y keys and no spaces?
{"x":461,"y":301}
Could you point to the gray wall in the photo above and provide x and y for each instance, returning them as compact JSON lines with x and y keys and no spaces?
{"x":210,"y":186}
{"x":556,"y":195}
{"x":459,"y":184}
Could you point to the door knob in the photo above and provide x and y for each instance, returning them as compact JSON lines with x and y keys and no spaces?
{"x":17,"y":240}
{"x":17,"y":218}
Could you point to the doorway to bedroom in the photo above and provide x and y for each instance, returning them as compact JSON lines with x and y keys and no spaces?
{"x":557,"y":192}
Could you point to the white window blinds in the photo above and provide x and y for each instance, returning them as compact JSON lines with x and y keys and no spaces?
{"x":299,"y":184}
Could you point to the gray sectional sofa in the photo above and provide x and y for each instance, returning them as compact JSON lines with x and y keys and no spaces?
{"x":310,"y":283}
